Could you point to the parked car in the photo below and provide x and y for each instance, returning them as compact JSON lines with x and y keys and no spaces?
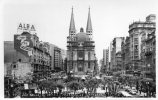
{"x":125,"y":94}
{"x":134,"y":92}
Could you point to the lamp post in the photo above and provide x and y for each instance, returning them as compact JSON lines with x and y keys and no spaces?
{"x":11,"y":90}
{"x":147,"y":88}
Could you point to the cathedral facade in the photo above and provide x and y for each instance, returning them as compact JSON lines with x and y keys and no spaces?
{"x":81,"y":58}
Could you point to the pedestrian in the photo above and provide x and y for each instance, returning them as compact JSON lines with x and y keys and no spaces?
{"x":140,"y":91}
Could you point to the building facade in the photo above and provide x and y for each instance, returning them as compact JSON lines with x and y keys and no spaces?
{"x":13,"y":58}
{"x":52,"y":55}
{"x":106,"y":59}
{"x":116,"y":54}
{"x":127,"y":53}
{"x":57,"y":58}
{"x":138,"y":33}
{"x":150,"y":57}
{"x":36,"y":52}
{"x":80,"y":49}
{"x":64,"y":59}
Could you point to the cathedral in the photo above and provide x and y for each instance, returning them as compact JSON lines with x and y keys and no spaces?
{"x":81,"y":58}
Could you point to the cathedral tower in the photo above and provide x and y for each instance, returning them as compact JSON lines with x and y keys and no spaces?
{"x":89,"y":29}
{"x":81,"y":58}
{"x":72,"y":29}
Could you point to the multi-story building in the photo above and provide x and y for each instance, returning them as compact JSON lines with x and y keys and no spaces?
{"x":80,"y":49}
{"x":138,"y":32}
{"x":150,"y":57}
{"x":110,"y":56}
{"x":63,"y":56}
{"x":106,"y":59}
{"x":57,"y":58}
{"x":16,"y":65}
{"x":123,"y":54}
{"x":101,"y":66}
{"x":116,"y":54}
{"x":35,"y":51}
{"x":52,"y":55}
{"x":126,"y":54}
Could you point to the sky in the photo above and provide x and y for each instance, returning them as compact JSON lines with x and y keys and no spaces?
{"x":51,"y":18}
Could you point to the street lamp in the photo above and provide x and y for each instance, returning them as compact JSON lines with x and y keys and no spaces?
{"x":11,"y":90}
{"x":147,"y":88}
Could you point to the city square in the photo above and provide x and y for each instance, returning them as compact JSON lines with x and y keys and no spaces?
{"x":35,"y":67}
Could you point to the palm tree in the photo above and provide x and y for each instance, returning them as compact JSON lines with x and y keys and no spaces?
{"x":108,"y":82}
{"x":91,"y":85}
{"x":113,"y":87}
{"x":74,"y":85}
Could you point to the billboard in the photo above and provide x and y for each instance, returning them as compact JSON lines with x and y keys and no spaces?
{"x":23,"y":43}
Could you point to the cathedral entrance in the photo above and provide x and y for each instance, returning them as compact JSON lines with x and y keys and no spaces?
{"x":80,"y":67}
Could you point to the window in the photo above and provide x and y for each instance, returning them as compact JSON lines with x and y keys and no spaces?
{"x":14,"y":66}
{"x":19,"y":60}
{"x":89,"y":65}
{"x":136,"y":47}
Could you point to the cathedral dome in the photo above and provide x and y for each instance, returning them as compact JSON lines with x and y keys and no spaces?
{"x":81,"y":37}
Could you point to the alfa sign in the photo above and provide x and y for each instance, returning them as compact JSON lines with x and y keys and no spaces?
{"x":26,"y":27}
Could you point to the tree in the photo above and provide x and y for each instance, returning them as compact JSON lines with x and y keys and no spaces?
{"x":69,"y":79}
{"x":106,"y":82}
{"x":60,"y":85}
{"x":74,"y":85}
{"x":51,"y":86}
{"x":113,"y":87}
{"x":91,"y":85}
{"x":42,"y":85}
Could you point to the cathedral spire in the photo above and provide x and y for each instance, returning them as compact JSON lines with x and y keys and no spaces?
{"x":89,"y":23}
{"x":72,"y":28}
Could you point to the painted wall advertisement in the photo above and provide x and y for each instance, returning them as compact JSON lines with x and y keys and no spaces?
{"x":23,"y":43}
